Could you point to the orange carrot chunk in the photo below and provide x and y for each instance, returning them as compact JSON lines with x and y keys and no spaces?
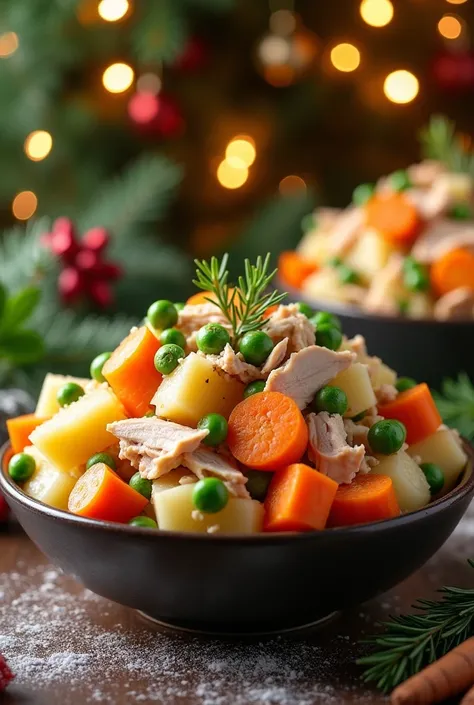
{"x":201,"y":297}
{"x":453,"y":270}
{"x":368,"y":498}
{"x":416,"y":409}
{"x":101,"y":494}
{"x":267,"y":431}
{"x":20,"y":428}
{"x":299,"y":498}
{"x":131,"y":371}
{"x":294,"y":269}
{"x":394,"y":217}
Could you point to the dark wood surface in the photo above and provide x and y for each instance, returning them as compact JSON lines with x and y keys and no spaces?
{"x":70,"y":647}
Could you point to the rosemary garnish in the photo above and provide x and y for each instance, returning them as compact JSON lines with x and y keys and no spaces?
{"x":441,"y":142}
{"x":245,"y":304}
{"x":456,"y":404}
{"x":413,"y":641}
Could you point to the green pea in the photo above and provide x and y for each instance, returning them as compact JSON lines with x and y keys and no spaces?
{"x":254,"y":388}
{"x":217,"y":427}
{"x":141,"y":485}
{"x":257,"y":484}
{"x":362,"y":194}
{"x":308,"y":222}
{"x":210,"y":495}
{"x":305,"y":309}
{"x":322,"y":318}
{"x":167,"y":358}
{"x":331,"y":399}
{"x":69,"y":393}
{"x":403,"y":307}
{"x":415,"y":275}
{"x":404,"y":383}
{"x":179,"y":305}
{"x":212,"y":338}
{"x":328,"y":336}
{"x":387,"y":436}
{"x":21,"y":467}
{"x":434,"y":476}
{"x":105,"y":458}
{"x":172,"y":336}
{"x":256,"y":346}
{"x":461,"y":211}
{"x":97,"y":365}
{"x":162,"y":314}
{"x":334,"y":262}
{"x":400,"y":180}
{"x":146,"y":522}
{"x":347,"y":275}
{"x":149,"y":414}
{"x":359,"y":417}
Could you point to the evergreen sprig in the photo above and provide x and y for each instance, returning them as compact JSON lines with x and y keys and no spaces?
{"x":19,"y":345}
{"x":440,"y":141}
{"x":412,"y":642}
{"x":456,"y":404}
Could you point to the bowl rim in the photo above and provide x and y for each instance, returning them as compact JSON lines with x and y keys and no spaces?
{"x":458,"y":493}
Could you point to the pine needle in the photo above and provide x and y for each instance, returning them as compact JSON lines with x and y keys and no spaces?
{"x":440,"y":141}
{"x":456,"y":404}
{"x":22,"y":257}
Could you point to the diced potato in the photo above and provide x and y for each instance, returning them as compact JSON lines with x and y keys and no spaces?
{"x":409,"y":482}
{"x":174,"y":509}
{"x":444,"y":449}
{"x":419,"y":306}
{"x":49,"y":484}
{"x":194,"y":389}
{"x":459,"y":186}
{"x":355,"y":382}
{"x":383,"y":374}
{"x":369,"y":254}
{"x":170,"y":480}
{"x":315,"y":247}
{"x":325,"y":284}
{"x":79,"y":430}
{"x":47,"y":403}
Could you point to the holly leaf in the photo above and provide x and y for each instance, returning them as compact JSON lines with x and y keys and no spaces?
{"x":21,"y":347}
{"x":20,"y":307}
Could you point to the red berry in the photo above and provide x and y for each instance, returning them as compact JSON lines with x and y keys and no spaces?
{"x":109,"y":271}
{"x":70,"y":284}
{"x":101,"y":294}
{"x":4,"y":510}
{"x":87,"y":261}
{"x":63,"y":244}
{"x":6,"y":676}
{"x":96,"y":239}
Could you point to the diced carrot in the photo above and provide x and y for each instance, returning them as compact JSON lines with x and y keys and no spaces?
{"x":20,"y":428}
{"x":299,"y":499}
{"x":368,"y":498}
{"x":394,"y":217}
{"x":294,"y":269}
{"x":101,"y":494}
{"x":269,"y":311}
{"x":453,"y":270}
{"x":131,"y":371}
{"x":267,"y":431}
{"x":416,"y":409}
{"x":201,"y":297}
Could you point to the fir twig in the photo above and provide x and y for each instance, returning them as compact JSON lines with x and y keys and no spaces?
{"x":440,"y":141}
{"x":411,"y":642}
{"x":456,"y":404}
{"x":23,"y":259}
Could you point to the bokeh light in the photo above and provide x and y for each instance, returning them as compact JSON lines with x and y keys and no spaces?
{"x":401,"y":86}
{"x":24,"y":205}
{"x":241,"y":148}
{"x":450,"y":27}
{"x":8,"y":44}
{"x":291,"y":184}
{"x":232,"y":174}
{"x":456,"y":2}
{"x":38,"y":145}
{"x":283,"y":22}
{"x":117,"y":78}
{"x":376,"y":13}
{"x":112,"y":10}
{"x":345,"y":57}
{"x":149,"y":83}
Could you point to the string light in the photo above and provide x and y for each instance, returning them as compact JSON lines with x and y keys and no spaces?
{"x":112,"y":10}
{"x":345,"y":57}
{"x":291,"y":184}
{"x":38,"y":145}
{"x":449,"y":27}
{"x":401,"y":86}
{"x":24,"y":205}
{"x":241,"y":148}
{"x":376,"y":13}
{"x":117,"y":78}
{"x":232,"y":174}
{"x":8,"y":44}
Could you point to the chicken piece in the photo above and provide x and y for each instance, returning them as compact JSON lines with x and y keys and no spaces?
{"x":357,"y":345}
{"x":442,"y":236}
{"x":204,"y":463}
{"x":455,"y":305}
{"x":425,"y":173}
{"x":153,"y":446}
{"x":357,"y":436}
{"x":276,"y":357}
{"x":288,"y":322}
{"x":326,"y":218}
{"x":306,"y":372}
{"x":432,"y":202}
{"x":192,"y":318}
{"x":386,"y":286}
{"x":329,"y":450}
{"x":234,"y":364}
{"x":386,"y":393}
{"x":346,"y":229}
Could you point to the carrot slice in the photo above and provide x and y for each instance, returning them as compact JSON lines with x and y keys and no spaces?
{"x":20,"y":428}
{"x":201,"y":297}
{"x":368,"y":498}
{"x":101,"y":494}
{"x":394,"y":217}
{"x":299,"y":499}
{"x":416,"y":409}
{"x":453,"y":270}
{"x":267,"y":431}
{"x":131,"y":371}
{"x":294,"y":269}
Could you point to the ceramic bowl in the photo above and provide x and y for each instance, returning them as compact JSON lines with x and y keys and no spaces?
{"x":239,"y":584}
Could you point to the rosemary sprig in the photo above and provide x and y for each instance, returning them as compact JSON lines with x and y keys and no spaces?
{"x":413,"y":641}
{"x":440,"y":141}
{"x":456,"y":404}
{"x":244,"y":305}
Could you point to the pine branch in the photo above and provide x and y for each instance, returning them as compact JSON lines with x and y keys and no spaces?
{"x":160,"y":33}
{"x":22,"y":257}
{"x":440,"y":141}
{"x":456,"y":404}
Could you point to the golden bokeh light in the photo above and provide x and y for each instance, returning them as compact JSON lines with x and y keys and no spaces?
{"x":291,"y":184}
{"x":401,"y":86}
{"x":112,"y":10}
{"x":117,"y":78}
{"x":241,"y":148}
{"x":38,"y":145}
{"x":456,"y":2}
{"x":24,"y":205}
{"x":450,"y":27}
{"x":345,"y":57}
{"x":232,"y":174}
{"x":8,"y":44}
{"x":376,"y":13}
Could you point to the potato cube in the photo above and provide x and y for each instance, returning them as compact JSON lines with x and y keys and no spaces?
{"x":383,"y":374}
{"x":325,"y":285}
{"x":444,"y":449}
{"x":47,"y":403}
{"x":49,"y":484}
{"x":369,"y":254}
{"x":409,"y":482}
{"x":170,"y":480}
{"x":355,"y":382}
{"x":315,"y":247}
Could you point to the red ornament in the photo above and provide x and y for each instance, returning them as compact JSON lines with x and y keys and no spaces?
{"x":454,"y":72}
{"x":156,"y":114}
{"x":6,"y":676}
{"x":4,"y":511}
{"x":194,"y":57}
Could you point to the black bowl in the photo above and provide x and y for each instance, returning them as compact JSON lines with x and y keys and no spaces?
{"x":232,"y":584}
{"x":425,"y":349}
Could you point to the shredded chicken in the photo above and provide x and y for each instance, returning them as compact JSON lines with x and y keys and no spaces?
{"x":204,"y":463}
{"x":288,"y":322}
{"x":386,"y":393}
{"x":329,"y":450}
{"x":306,"y":372}
{"x":191,"y":318}
{"x":372,"y":416}
{"x":234,"y":364}
{"x":424,"y":174}
{"x":440,"y":237}
{"x":276,"y":357}
{"x":346,"y":229}
{"x":379,"y":296}
{"x":455,"y":305}
{"x":357,"y":436}
{"x":356,"y":345}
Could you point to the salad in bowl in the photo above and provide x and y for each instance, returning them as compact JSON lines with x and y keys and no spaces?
{"x":236,"y":414}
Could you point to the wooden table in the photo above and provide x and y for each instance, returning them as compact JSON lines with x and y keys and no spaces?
{"x":71,"y":647}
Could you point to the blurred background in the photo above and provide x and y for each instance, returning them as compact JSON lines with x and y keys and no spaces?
{"x":136,"y":134}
